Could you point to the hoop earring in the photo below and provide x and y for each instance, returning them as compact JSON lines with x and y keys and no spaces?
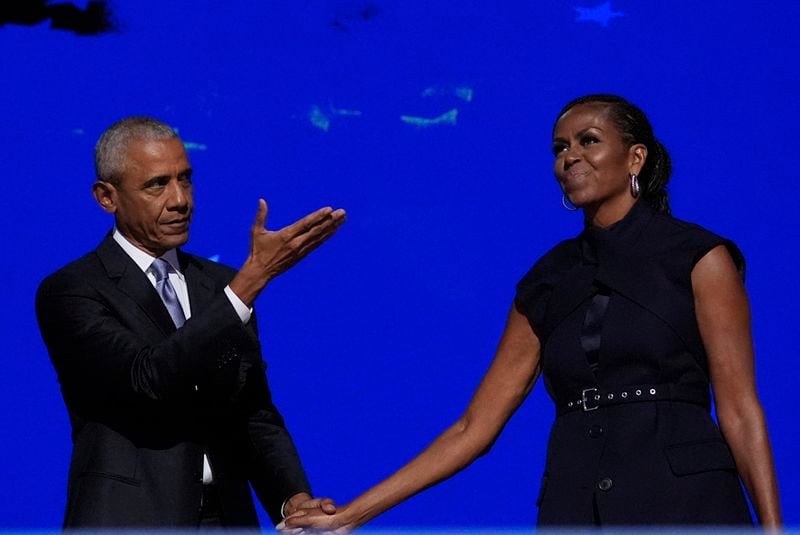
{"x":635,"y":186}
{"x":566,"y":204}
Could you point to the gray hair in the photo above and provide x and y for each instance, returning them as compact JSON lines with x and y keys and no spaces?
{"x":111,"y":149}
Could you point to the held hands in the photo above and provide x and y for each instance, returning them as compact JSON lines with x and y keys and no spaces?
{"x":304,"y":501}
{"x":317,"y":521}
{"x":273,"y":252}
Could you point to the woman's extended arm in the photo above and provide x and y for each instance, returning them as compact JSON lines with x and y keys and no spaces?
{"x":506,"y":384}
{"x":723,"y":317}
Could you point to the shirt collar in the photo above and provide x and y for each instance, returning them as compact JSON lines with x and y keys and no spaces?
{"x":143,"y":259}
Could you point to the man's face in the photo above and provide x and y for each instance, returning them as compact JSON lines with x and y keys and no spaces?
{"x":153,"y":201}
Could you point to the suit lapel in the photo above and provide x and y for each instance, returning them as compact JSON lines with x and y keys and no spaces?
{"x":199,"y":285}
{"x":134,"y":283}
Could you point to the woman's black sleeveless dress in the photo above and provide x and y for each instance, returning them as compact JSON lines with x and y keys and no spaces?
{"x":633,"y":441}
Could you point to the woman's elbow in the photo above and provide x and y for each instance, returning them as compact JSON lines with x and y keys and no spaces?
{"x":478,"y":436}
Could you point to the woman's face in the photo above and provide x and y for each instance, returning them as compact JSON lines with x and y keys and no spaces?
{"x":593,"y":163}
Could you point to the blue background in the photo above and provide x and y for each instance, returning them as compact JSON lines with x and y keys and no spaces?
{"x":377,"y":340}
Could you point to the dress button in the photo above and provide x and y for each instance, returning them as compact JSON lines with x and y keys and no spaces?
{"x":596,"y":431}
{"x":605,"y":484}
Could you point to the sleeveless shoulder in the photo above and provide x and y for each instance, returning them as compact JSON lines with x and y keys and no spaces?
{"x":535,"y":288}
{"x":681,"y":244}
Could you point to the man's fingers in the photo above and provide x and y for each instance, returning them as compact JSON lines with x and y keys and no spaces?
{"x":261,"y":215}
{"x":307,"y":223}
{"x":295,"y":520}
{"x":287,"y":530}
{"x":323,"y":503}
{"x":284,"y":529}
{"x":326,"y":505}
{"x":321,"y":231}
{"x":310,"y":504}
{"x":300,"y":524}
{"x":306,"y":243}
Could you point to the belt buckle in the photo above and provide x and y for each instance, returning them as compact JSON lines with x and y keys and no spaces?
{"x":586,"y":400}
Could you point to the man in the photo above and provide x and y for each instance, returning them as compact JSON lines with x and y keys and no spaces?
{"x":158,"y":356}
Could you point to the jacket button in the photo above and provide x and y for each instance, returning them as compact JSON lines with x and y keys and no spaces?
{"x":605,"y":484}
{"x":596,"y":431}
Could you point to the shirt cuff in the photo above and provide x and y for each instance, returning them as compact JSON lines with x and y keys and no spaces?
{"x":242,"y":310}
{"x":283,"y":508}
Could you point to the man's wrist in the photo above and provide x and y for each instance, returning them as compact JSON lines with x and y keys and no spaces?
{"x":243,"y":311}
{"x":291,"y":504}
{"x":247,"y":284}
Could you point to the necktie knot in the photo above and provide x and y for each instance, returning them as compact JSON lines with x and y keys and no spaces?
{"x":160,"y":269}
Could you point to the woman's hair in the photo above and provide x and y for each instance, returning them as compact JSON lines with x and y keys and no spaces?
{"x":635,"y":128}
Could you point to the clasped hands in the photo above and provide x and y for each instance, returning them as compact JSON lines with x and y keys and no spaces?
{"x":273,"y":252}
{"x":304,"y":502}
{"x":316,"y":516}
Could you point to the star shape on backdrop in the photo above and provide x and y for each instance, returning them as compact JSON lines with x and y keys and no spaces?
{"x":601,"y":14}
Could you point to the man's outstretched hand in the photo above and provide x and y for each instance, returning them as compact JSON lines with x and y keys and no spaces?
{"x":273,"y":252}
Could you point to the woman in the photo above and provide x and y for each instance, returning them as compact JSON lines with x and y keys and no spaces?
{"x":629,"y":323}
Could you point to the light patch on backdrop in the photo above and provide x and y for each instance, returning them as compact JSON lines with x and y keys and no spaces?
{"x":318,"y":118}
{"x":322,"y":119}
{"x":463,"y":92}
{"x":345,"y":113}
{"x":193,"y":146}
{"x":601,"y":14}
{"x":447,"y":118}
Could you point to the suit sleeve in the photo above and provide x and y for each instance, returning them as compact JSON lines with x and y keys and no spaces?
{"x":276,"y":472}
{"x":99,"y":355}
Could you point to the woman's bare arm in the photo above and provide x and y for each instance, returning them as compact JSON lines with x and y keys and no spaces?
{"x":723,"y":316}
{"x":508,"y":381}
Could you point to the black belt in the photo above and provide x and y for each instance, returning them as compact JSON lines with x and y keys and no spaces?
{"x":593,"y":398}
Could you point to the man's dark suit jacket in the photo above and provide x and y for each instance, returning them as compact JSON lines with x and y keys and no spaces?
{"x":146,"y":400}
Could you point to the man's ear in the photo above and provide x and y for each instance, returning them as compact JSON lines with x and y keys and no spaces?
{"x":106,"y":196}
{"x":638,"y":155}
